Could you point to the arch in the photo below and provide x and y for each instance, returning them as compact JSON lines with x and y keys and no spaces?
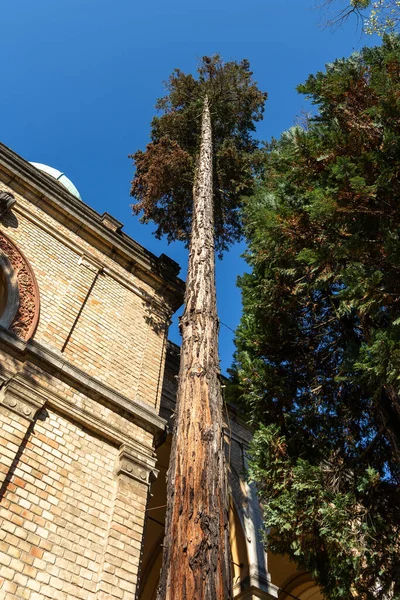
{"x":303,"y":587}
{"x":20,"y":304}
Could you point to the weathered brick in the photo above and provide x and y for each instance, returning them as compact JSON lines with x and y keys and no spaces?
{"x":69,"y":521}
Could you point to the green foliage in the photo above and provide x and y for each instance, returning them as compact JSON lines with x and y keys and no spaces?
{"x":327,"y":519}
{"x":165,"y":171}
{"x":318,"y":347}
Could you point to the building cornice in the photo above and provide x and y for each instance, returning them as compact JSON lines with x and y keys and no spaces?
{"x":88,"y":259}
{"x":54,"y":364}
{"x":52,"y":197}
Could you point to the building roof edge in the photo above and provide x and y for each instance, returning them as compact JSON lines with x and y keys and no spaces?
{"x":157,"y":269}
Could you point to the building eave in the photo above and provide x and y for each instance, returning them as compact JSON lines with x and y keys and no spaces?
{"x":53,"y":198}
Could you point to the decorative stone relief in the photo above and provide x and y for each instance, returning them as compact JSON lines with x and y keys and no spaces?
{"x":27,"y":315}
{"x":136,"y":465}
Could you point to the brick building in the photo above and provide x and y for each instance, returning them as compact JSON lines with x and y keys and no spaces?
{"x":87,"y":387}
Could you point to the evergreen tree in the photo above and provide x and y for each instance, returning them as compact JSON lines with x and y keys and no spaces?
{"x":318,"y":347}
{"x":190,"y":181}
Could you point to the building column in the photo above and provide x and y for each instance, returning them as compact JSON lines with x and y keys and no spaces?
{"x":121,"y":560}
{"x":258,"y":585}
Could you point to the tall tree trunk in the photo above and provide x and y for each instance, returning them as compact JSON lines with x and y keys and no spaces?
{"x":196,"y":557}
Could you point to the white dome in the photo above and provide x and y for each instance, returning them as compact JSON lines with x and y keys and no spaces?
{"x":63,"y":179}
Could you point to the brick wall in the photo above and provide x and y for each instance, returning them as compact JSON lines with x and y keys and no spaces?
{"x":110,"y":335}
{"x":70,"y":527}
{"x":78,"y":403}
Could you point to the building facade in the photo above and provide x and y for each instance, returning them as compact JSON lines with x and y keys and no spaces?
{"x":87,"y":388}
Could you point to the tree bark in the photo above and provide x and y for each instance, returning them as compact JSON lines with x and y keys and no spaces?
{"x":196,"y":556}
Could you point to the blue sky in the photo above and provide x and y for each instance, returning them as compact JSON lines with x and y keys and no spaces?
{"x":79,"y":79}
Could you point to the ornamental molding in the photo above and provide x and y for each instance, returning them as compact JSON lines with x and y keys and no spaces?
{"x":86,"y":259}
{"x":136,"y":411}
{"x":136,"y":465}
{"x":27,"y":180}
{"x":19,"y":387}
{"x":25,"y":319}
{"x":90,"y":263}
{"x":111,"y":222}
{"x":23,"y":399}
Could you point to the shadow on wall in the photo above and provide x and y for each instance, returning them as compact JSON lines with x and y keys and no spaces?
{"x":7,"y":484}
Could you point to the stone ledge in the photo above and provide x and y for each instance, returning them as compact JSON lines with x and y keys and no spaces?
{"x":56,"y":365}
{"x":19,"y":387}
